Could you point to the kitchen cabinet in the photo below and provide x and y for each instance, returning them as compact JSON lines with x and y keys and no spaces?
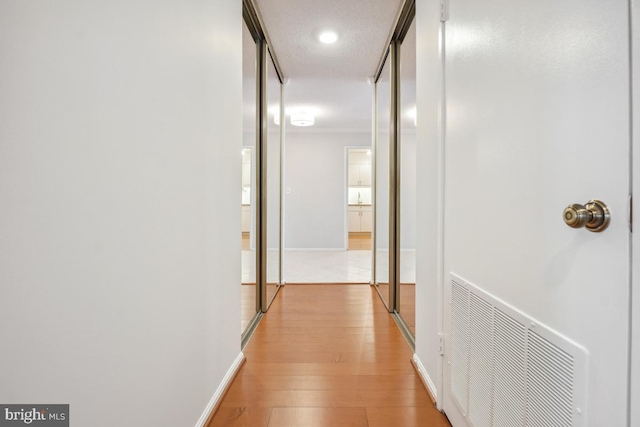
{"x":359,"y":174}
{"x":360,"y":218}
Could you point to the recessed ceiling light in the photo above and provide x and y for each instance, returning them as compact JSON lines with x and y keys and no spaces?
{"x":328,"y":37}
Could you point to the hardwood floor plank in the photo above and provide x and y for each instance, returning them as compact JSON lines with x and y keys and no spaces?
{"x":319,"y":356}
{"x":282,"y":331}
{"x":328,"y":382}
{"x":318,"y":417}
{"x":334,"y":338}
{"x":405,"y":417}
{"x":380,"y":322}
{"x":396,"y":347}
{"x":241,"y":417}
{"x":347,"y":368}
{"x":236,"y":397}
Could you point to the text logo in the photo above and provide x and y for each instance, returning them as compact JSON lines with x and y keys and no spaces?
{"x":34,"y":415}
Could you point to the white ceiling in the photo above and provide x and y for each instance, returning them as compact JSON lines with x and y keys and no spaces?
{"x":328,"y":80}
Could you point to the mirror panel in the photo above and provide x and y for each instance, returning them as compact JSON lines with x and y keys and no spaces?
{"x":274,"y":183}
{"x":408,"y":169}
{"x":382,"y":168}
{"x":249,"y":83}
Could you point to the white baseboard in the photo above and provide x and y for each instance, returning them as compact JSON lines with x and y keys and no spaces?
{"x":220,"y":391}
{"x":424,"y":375}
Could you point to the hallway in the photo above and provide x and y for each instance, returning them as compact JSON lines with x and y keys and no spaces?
{"x":124,"y":127}
{"x":327,"y":355}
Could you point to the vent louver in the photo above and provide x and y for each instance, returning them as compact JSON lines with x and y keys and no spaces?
{"x":507,"y":369}
{"x":549,"y":384}
{"x":510,"y":372}
{"x":460,"y":340}
{"x":481,"y":363}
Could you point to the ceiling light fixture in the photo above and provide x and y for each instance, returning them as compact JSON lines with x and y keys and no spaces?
{"x":302,"y":119}
{"x":328,"y":37}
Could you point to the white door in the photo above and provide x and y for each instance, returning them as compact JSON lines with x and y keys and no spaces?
{"x":537,"y":117}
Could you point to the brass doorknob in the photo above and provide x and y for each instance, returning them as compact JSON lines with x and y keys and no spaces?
{"x":594,"y":215}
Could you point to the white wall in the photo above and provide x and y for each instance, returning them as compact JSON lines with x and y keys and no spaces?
{"x":635,"y":237}
{"x":120,"y":134}
{"x":315,"y":172}
{"x":429,"y":197}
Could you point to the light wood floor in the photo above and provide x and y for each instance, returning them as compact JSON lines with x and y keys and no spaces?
{"x":327,"y":356}
{"x":359,"y":242}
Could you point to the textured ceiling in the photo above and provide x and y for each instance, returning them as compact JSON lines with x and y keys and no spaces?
{"x":330,"y":81}
{"x":362,"y":26}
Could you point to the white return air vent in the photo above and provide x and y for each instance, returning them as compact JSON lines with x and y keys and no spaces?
{"x":508,"y":370}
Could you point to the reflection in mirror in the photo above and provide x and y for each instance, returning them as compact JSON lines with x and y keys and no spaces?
{"x":273,"y":155}
{"x":359,"y":201}
{"x":408,"y":122}
{"x":383,"y":110}
{"x":249,"y":54}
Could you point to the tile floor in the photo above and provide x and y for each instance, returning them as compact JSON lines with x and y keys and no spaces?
{"x":327,"y":266}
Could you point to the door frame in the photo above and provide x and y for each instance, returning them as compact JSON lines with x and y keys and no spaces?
{"x":440,"y":272}
{"x":634,"y":301}
{"x":431,"y":121}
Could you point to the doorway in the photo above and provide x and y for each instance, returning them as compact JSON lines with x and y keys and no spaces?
{"x":317,"y":193}
{"x":359,"y":200}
